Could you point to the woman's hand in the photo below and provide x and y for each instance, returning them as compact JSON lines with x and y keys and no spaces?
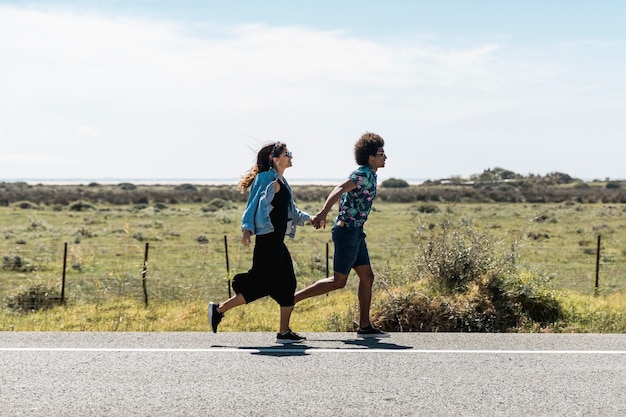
{"x":245,"y":237}
{"x":319,"y":220}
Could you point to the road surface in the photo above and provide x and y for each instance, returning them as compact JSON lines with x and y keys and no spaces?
{"x":330,"y":374}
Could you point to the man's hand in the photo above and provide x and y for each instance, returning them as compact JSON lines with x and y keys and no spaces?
{"x":319,"y":220}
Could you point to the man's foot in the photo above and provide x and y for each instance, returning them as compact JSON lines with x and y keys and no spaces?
{"x":214,"y":316}
{"x":371,"y":331}
{"x":289,"y":337}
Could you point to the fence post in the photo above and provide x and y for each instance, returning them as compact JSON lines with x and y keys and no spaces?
{"x":327,"y":269}
{"x":63,"y":275}
{"x":227,"y":265}
{"x":144,"y":271}
{"x":598,"y":265}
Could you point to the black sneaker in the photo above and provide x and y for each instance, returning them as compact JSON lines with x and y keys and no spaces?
{"x":371,"y":331}
{"x":214,"y":316}
{"x":289,"y":337}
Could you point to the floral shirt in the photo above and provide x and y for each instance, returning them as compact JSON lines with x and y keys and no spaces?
{"x":355,"y":205}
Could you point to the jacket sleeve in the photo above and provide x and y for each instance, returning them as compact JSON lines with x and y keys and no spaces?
{"x":301,"y":217}
{"x":249,"y":213}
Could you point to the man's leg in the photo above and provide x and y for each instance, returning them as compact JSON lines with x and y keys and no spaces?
{"x":366,"y":282}
{"x":322,"y":286}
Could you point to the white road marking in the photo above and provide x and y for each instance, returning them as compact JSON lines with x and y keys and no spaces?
{"x":306,"y":349}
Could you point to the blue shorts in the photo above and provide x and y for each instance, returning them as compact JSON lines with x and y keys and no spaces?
{"x":350,"y":249}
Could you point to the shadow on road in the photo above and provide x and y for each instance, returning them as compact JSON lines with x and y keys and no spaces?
{"x":375,"y":344}
{"x":300,"y":349}
{"x":282,"y":350}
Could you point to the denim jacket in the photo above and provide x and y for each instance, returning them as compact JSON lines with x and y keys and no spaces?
{"x":256,"y":216}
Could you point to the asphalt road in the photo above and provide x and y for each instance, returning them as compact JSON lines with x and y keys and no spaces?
{"x":331,"y":374}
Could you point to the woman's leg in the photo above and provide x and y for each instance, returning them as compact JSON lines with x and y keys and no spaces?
{"x":285,"y":316}
{"x":284,"y":287}
{"x":232,"y":302}
{"x":216,"y":311}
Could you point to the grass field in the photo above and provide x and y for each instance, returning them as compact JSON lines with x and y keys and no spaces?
{"x":106,"y":246}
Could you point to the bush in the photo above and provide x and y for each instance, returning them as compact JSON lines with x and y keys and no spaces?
{"x":27,"y":205}
{"x":524,"y":295}
{"x":428,"y":208}
{"x":35,"y":298}
{"x":455,"y":255}
{"x":492,"y":305}
{"x":215,"y":205}
{"x":17,"y":264}
{"x":127,"y":186}
{"x":80,"y":206}
{"x":468,"y":283}
{"x":187,"y":188}
{"x":394,"y":183}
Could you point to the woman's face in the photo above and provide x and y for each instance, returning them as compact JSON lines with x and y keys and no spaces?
{"x":284,"y":159}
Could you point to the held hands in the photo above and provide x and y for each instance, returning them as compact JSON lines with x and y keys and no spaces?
{"x":319,"y":220}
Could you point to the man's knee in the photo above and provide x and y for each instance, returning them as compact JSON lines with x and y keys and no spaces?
{"x":365,"y":273}
{"x":339,"y":281}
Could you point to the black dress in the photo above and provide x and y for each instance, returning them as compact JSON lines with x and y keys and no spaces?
{"x":272,"y":268}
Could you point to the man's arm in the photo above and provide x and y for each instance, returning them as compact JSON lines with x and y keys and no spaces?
{"x":331,"y":200}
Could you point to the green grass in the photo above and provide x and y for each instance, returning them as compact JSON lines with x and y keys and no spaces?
{"x":106,"y":248}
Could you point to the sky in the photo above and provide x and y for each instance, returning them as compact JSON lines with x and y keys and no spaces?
{"x":192,"y":89}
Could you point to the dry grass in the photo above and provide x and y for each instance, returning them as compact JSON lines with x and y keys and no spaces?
{"x":334,"y":312}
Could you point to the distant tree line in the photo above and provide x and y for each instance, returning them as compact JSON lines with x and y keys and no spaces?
{"x":492,"y":185}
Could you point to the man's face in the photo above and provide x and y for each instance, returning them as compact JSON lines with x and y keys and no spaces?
{"x":378,"y":160}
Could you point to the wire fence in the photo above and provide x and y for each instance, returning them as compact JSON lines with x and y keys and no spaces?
{"x":158,"y":271}
{"x":85,"y":273}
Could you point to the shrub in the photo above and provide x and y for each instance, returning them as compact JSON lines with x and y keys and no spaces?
{"x":17,"y":263}
{"x":470,"y":283}
{"x":456,"y":255}
{"x":127,"y":186}
{"x":80,"y":206}
{"x":394,"y":183}
{"x":524,"y":295}
{"x":186,"y":187}
{"x":141,"y":200}
{"x":428,"y":208}
{"x":27,"y":205}
{"x":35,"y":298}
{"x":494,"y":304}
{"x":215,"y":205}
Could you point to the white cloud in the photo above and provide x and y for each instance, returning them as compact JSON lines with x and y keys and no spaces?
{"x":86,"y":132}
{"x":187,"y":104}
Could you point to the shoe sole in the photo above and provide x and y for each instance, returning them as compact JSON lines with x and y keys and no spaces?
{"x":373,"y":336}
{"x":288,"y":342}
{"x":211,"y":304}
